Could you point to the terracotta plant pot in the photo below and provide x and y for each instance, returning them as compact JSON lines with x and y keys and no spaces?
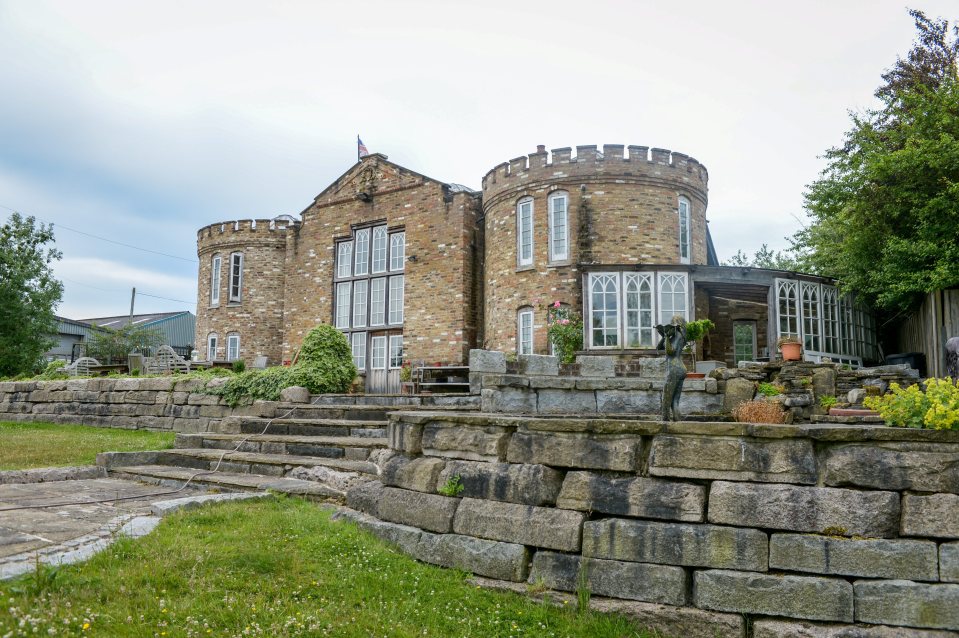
{"x":791,"y":351}
{"x":695,"y":375}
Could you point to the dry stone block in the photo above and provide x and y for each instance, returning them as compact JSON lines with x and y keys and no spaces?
{"x":902,"y":602}
{"x":511,"y":482}
{"x":666,"y":620}
{"x":949,"y":562}
{"x":738,"y":391}
{"x":405,"y":437}
{"x":734,"y":458}
{"x":628,"y":401}
{"x":871,"y":558}
{"x":635,"y":496}
{"x":568,"y":449}
{"x":525,"y":524}
{"x":539,"y":364}
{"x":558,"y":401}
{"x":792,"y":596}
{"x":295,"y":394}
{"x":767,"y":628}
{"x":418,"y":474}
{"x":676,"y":544}
{"x":487,"y":361}
{"x":493,"y":559}
{"x":431,"y":512}
{"x":805,"y":509}
{"x":469,"y":442}
{"x":596,"y":366}
{"x":634,"y":581}
{"x":513,"y":400}
{"x":924,"y":467}
{"x":365,"y":497}
{"x":935,"y":515}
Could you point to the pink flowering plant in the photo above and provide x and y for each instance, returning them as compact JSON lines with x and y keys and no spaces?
{"x":565,"y":331}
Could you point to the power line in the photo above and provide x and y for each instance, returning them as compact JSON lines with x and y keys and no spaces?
{"x":143,"y":294}
{"x":112,"y":241}
{"x":166,"y":298}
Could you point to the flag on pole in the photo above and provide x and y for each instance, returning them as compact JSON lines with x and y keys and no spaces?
{"x":361,"y":150}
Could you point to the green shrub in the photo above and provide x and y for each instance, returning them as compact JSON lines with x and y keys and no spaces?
{"x":936,"y":407}
{"x":325,"y":366}
{"x":54,"y":370}
{"x":239,"y":366}
{"x":827,"y":401}
{"x":770,"y":389}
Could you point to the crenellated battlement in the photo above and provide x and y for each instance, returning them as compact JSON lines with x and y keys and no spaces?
{"x":243,"y":226}
{"x":614,"y":161}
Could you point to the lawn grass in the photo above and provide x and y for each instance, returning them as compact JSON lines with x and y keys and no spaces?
{"x":27,"y":445}
{"x":274,"y":568}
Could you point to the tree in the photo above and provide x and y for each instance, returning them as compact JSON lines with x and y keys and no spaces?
{"x":109,"y":344}
{"x":28,"y":294}
{"x":765,"y":257}
{"x":884,"y":214}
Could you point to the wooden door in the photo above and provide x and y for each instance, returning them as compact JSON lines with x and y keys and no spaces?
{"x":386,"y":359}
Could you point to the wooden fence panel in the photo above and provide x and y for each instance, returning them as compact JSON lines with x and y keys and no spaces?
{"x":927,"y":329}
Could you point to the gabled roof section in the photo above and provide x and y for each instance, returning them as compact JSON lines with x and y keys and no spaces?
{"x":371,"y":174}
{"x":139,"y":320}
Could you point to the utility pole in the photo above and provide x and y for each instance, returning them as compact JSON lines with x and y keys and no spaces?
{"x":133,"y":297}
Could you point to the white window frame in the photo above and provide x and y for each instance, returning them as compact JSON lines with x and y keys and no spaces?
{"x":604,"y":277}
{"x":558,"y":232}
{"x":344,"y":259}
{"x":358,"y":348}
{"x":670,"y":280}
{"x":216,"y":265}
{"x":211,"y":343}
{"x":397,"y":251}
{"x":396,"y":300}
{"x":380,"y":250}
{"x":232,"y":347}
{"x":236,"y":277}
{"x":644,"y":316}
{"x":811,"y":309}
{"x":788,"y":323}
{"x":685,"y":231}
{"x":342,"y":307}
{"x":396,"y":355}
{"x":361,"y":252}
{"x":360,"y":302}
{"x":524,"y":332}
{"x":523,"y":231}
{"x":378,"y":353}
{"x":378,"y":301}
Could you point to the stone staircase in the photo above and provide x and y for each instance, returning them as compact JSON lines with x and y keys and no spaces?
{"x":315,"y":450}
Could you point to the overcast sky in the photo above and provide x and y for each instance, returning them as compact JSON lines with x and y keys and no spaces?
{"x":141,"y":122}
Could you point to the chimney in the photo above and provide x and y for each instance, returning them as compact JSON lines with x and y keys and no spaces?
{"x":540,"y":148}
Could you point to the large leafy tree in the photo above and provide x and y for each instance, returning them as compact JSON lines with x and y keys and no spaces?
{"x":29,"y":293}
{"x":766,"y":257}
{"x":884,"y":214}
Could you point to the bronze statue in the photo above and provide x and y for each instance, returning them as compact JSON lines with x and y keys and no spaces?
{"x":673,"y":340}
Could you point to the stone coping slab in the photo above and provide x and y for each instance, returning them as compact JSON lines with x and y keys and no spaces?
{"x":644,"y":425}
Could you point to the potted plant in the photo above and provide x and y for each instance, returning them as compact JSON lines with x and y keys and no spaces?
{"x":695,"y":331}
{"x":791,"y":347}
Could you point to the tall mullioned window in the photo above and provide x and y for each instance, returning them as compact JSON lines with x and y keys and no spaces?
{"x":524,"y":331}
{"x":558,"y":226}
{"x":236,"y":277}
{"x":684,"y":231}
{"x":232,"y":347}
{"x":524,"y":232}
{"x":215,"y":266}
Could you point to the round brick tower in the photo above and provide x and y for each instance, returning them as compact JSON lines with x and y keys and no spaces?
{"x":241,"y":289}
{"x":550,"y":214}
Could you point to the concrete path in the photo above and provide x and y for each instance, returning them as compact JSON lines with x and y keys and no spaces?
{"x":71,"y":529}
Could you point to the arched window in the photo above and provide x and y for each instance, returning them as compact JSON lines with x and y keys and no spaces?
{"x":639,"y":310}
{"x":524,"y":330}
{"x":787,"y":295}
{"x":558,"y":226}
{"x":236,"y":277}
{"x":397,"y":251}
{"x":672,"y":297}
{"x":211,"y":343}
{"x":379,"y":249}
{"x":524,"y":232}
{"x":604,"y":311}
{"x":216,"y":265}
{"x":685,"y":233}
{"x":830,"y":309}
{"x":810,"y":317}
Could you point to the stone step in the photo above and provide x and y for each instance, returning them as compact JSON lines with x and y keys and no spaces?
{"x":355,"y":448}
{"x":237,"y":462}
{"x":333,"y":411}
{"x":229,"y":481}
{"x":406,"y":401}
{"x":301,"y":427}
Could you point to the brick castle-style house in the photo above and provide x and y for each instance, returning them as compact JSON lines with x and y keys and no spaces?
{"x":414,"y":269}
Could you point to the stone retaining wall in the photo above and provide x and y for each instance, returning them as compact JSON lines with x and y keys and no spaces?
{"x":140,"y":404}
{"x":751,"y":530}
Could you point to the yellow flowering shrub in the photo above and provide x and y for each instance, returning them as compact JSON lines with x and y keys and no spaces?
{"x":936,"y":407}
